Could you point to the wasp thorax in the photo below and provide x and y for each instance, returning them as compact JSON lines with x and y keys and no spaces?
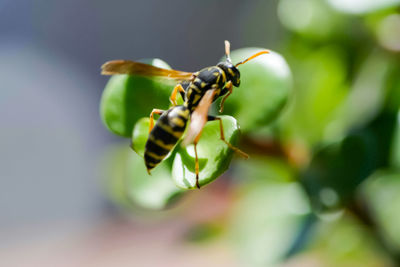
{"x":232,"y":73}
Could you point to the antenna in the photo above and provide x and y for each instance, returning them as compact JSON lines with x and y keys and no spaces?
{"x":253,"y":56}
{"x":228,"y":51}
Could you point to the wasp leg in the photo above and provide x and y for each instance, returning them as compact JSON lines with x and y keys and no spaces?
{"x":221,"y":128}
{"x":177,"y":88}
{"x":154,"y":111}
{"x":229,"y":88}
{"x":196,"y":164}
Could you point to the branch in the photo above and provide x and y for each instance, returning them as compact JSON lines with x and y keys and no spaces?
{"x":296,"y":154}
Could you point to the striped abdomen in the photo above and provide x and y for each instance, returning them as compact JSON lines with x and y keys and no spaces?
{"x":165,"y":134}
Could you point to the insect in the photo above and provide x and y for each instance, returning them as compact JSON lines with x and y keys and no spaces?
{"x":198,"y":90}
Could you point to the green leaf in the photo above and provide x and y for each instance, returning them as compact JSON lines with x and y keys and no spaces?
{"x":113,"y":170}
{"x":317,"y":21}
{"x":128,"y":98}
{"x":155,"y":191}
{"x":340,"y":240}
{"x":369,"y":89}
{"x":214,"y":155}
{"x":317,"y":97}
{"x":361,"y":7}
{"x":265,"y":85}
{"x":382,"y":194}
{"x":131,"y":187}
{"x":265,"y":221}
{"x":140,"y":134}
{"x":129,"y":183}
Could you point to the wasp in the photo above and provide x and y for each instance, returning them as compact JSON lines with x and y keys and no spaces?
{"x":198,"y":90}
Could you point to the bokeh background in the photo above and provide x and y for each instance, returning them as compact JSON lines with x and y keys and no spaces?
{"x":325,"y":192}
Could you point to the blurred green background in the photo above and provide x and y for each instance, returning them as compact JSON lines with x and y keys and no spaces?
{"x":319,"y":117}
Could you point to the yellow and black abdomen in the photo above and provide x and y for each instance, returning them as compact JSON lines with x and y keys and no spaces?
{"x":165,"y":134}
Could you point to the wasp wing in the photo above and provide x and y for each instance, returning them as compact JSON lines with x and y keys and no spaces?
{"x":199,"y":117}
{"x":137,"y":68}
